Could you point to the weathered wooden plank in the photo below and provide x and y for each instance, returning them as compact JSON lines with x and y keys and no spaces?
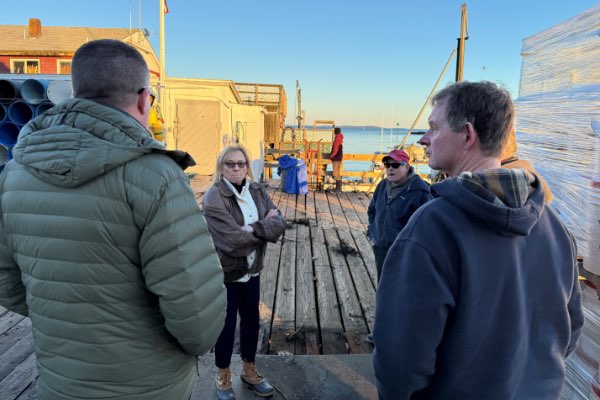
{"x":352,"y":220}
{"x":365,"y":289}
{"x":13,"y":335}
{"x":306,"y":312}
{"x":14,"y":356}
{"x":330,"y":320}
{"x":365,"y":199}
{"x":359,"y":207}
{"x":324,"y":218}
{"x":311,"y":211}
{"x":8,"y":320}
{"x":268,"y":281}
{"x":30,"y":393}
{"x":352,"y":315}
{"x":366,"y":253}
{"x":3,"y":311}
{"x":307,"y":336}
{"x":284,"y":311}
{"x":19,"y":378}
{"x":339,"y":219}
{"x":357,"y":343}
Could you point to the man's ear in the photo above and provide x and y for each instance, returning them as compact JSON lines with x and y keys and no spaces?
{"x":141,"y":102}
{"x":471,"y":136}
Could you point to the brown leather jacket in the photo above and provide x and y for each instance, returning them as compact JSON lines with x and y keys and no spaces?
{"x":225,"y":221}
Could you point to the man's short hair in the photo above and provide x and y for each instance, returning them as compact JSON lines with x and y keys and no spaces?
{"x":110,"y":72}
{"x":485,"y":105}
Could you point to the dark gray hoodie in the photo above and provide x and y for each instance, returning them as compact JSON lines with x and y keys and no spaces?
{"x":479,"y":295}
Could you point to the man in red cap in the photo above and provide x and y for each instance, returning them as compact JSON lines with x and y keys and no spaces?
{"x":396,"y":198}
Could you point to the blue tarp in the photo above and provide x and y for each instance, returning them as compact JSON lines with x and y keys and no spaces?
{"x":293,"y":174}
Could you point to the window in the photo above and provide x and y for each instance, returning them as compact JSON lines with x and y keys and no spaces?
{"x":24,"y":66}
{"x":63,"y":67}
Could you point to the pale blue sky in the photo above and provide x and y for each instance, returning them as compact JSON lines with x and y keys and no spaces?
{"x":356,"y":60}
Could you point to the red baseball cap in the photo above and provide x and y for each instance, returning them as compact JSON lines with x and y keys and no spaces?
{"x":397,"y":155}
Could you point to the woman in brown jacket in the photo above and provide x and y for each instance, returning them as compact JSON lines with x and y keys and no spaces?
{"x":241,"y":219}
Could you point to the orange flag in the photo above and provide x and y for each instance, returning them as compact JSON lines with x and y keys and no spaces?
{"x":166,"y":7}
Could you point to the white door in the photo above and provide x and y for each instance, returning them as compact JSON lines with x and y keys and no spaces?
{"x":198,"y":133}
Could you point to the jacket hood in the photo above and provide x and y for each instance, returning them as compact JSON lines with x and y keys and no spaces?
{"x":79,"y":140}
{"x":287,"y":161}
{"x":510,"y":201}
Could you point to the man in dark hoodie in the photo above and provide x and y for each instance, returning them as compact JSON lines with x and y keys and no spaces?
{"x":479,"y":295}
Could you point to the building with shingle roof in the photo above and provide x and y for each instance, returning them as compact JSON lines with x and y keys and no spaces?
{"x":38,"y":49}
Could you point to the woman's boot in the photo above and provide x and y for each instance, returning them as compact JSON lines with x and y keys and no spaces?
{"x":223,"y":384}
{"x":255,"y":381}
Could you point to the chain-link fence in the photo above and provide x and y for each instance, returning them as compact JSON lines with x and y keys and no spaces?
{"x":301,"y":138}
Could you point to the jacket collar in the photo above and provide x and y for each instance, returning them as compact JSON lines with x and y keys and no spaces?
{"x":225,"y":190}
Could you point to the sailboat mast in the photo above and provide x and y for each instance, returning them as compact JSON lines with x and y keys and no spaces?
{"x":381,"y":137}
{"x":299,"y":96}
{"x":461,"y":43}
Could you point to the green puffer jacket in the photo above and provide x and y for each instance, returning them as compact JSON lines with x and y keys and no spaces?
{"x":103,"y":245}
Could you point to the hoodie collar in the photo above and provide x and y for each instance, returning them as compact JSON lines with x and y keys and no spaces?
{"x":510,"y":201}
{"x":508,"y":187}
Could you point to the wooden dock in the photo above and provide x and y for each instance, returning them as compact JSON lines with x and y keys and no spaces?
{"x":317,"y":289}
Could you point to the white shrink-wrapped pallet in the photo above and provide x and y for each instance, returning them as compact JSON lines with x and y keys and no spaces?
{"x":558,"y":124}
{"x":558,"y":110}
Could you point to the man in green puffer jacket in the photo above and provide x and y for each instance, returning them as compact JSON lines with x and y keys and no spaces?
{"x":103,"y":245}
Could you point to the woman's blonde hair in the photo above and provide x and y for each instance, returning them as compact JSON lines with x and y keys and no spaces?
{"x":222,"y":157}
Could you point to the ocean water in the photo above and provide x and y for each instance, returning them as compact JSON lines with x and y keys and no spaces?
{"x":371,"y":140}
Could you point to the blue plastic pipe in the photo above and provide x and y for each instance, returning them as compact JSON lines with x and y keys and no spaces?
{"x":10,"y":90}
{"x":20,"y":112}
{"x":9,"y":133}
{"x":43,"y":107}
{"x":34,"y":91}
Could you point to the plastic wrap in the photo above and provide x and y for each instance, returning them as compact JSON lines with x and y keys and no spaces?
{"x":582,"y":364}
{"x":563,"y":56}
{"x":558,"y":114}
{"x":558,"y":131}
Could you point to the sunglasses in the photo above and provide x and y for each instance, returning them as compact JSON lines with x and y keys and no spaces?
{"x":232,"y":164}
{"x":150,"y":93}
{"x":394,"y":165}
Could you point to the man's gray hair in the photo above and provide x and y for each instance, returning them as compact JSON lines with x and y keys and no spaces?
{"x":222,"y":157}
{"x":109,"y":72}
{"x":485,"y":105}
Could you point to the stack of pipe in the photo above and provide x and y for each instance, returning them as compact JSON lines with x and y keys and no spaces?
{"x":20,"y":101}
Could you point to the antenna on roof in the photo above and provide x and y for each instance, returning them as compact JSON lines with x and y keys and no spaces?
{"x":139,"y":18}
{"x":130,"y":18}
